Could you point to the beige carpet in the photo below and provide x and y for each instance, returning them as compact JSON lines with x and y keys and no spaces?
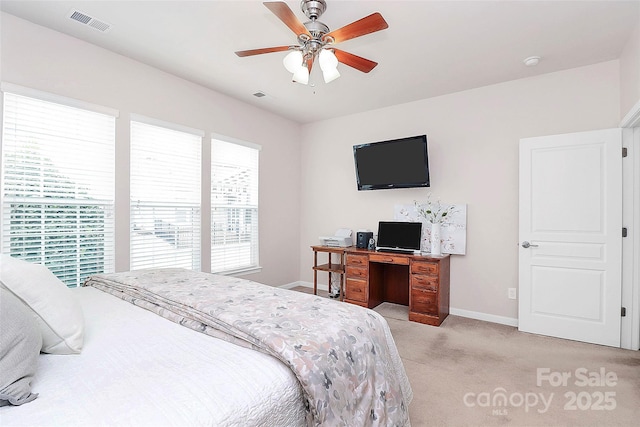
{"x":468,"y":372}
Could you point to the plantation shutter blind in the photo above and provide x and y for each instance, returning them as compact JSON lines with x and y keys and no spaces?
{"x":165,"y":196}
{"x":234,"y":206}
{"x":58,"y":184}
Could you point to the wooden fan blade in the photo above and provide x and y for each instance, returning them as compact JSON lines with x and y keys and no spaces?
{"x":355,"y":61}
{"x":286,"y":15}
{"x":251,"y":52}
{"x":368,"y":24}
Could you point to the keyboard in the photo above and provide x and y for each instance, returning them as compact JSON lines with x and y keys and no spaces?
{"x":396,"y":250}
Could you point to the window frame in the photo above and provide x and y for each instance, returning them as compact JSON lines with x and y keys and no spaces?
{"x":57,"y":210}
{"x":170,"y":233}
{"x":253,"y":266}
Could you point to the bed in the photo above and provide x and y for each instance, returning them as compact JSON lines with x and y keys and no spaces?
{"x":154,"y":354}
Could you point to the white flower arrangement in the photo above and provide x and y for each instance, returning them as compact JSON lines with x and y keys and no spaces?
{"x":435,"y":213}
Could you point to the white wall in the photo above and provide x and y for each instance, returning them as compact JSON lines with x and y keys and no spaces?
{"x":473,"y":139}
{"x":307,"y":176}
{"x":42,"y":59}
{"x":630,"y":73}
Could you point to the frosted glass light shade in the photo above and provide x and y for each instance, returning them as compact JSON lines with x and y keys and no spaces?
{"x":330,"y":74}
{"x":293,"y":61}
{"x":301,"y":75}
{"x":327,"y":59}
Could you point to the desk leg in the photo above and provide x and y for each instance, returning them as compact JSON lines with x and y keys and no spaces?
{"x":315,"y":273}
{"x":330,"y":275}
{"x":342,"y":277}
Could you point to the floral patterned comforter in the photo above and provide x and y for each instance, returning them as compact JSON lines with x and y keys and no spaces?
{"x":343,"y":355}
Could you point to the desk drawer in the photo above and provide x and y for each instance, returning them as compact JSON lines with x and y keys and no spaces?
{"x":356,"y":290}
{"x":421,"y":281}
{"x":423,"y":301}
{"x":357,"y":272}
{"x":357,"y":260}
{"x":389,"y":259}
{"x":424,"y":267}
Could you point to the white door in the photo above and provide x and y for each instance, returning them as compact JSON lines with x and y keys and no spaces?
{"x":570,"y":268}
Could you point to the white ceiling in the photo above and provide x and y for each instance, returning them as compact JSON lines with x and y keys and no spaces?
{"x":431,"y":48}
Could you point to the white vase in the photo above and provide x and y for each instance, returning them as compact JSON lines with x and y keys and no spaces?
{"x":435,"y":239}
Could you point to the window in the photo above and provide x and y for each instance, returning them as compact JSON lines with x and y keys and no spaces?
{"x":58,"y":185}
{"x":234,"y":206}
{"x":57,"y":190}
{"x":165,"y":196}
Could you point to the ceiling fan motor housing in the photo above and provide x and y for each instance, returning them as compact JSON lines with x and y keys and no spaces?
{"x":311,"y":46}
{"x":313,"y":9}
{"x":316,"y":28}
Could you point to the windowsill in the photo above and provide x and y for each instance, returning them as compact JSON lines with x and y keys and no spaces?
{"x":241,"y":272}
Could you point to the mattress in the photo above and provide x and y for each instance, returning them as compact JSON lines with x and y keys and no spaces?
{"x":137,"y":368}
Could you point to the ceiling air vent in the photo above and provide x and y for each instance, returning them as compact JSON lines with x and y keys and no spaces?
{"x":92,"y":22}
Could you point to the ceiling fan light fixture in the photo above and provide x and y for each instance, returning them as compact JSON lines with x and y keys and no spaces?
{"x":329,"y":65}
{"x":301,"y":75}
{"x":330,"y":74}
{"x":315,"y":41}
{"x":327,"y":60}
{"x":293,"y":61}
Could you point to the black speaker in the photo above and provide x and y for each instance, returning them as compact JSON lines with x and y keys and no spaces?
{"x":362,"y":239}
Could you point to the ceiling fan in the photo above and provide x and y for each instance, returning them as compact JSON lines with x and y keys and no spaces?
{"x":315,"y":40}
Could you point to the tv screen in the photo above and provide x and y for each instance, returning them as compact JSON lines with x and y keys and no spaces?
{"x":397,"y":235}
{"x":397,"y":163}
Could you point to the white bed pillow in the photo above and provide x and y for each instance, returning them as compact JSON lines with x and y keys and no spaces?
{"x":20,"y":343}
{"x":57,"y":312}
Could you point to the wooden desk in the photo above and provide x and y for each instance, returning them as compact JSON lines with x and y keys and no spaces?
{"x":329,"y":267}
{"x":421,"y":282}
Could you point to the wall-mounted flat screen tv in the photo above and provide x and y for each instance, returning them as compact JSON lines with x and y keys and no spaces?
{"x":397,"y":163}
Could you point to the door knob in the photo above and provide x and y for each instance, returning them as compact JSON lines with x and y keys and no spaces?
{"x":526,"y":245}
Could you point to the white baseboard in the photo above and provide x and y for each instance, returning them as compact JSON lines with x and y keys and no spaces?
{"x":322,"y":287}
{"x":291,"y":285}
{"x":509,"y":321}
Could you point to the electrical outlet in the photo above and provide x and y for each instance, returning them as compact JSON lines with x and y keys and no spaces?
{"x":512,"y":293}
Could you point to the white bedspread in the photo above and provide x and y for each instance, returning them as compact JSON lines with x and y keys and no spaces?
{"x":138,"y":369}
{"x":343,"y":355}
